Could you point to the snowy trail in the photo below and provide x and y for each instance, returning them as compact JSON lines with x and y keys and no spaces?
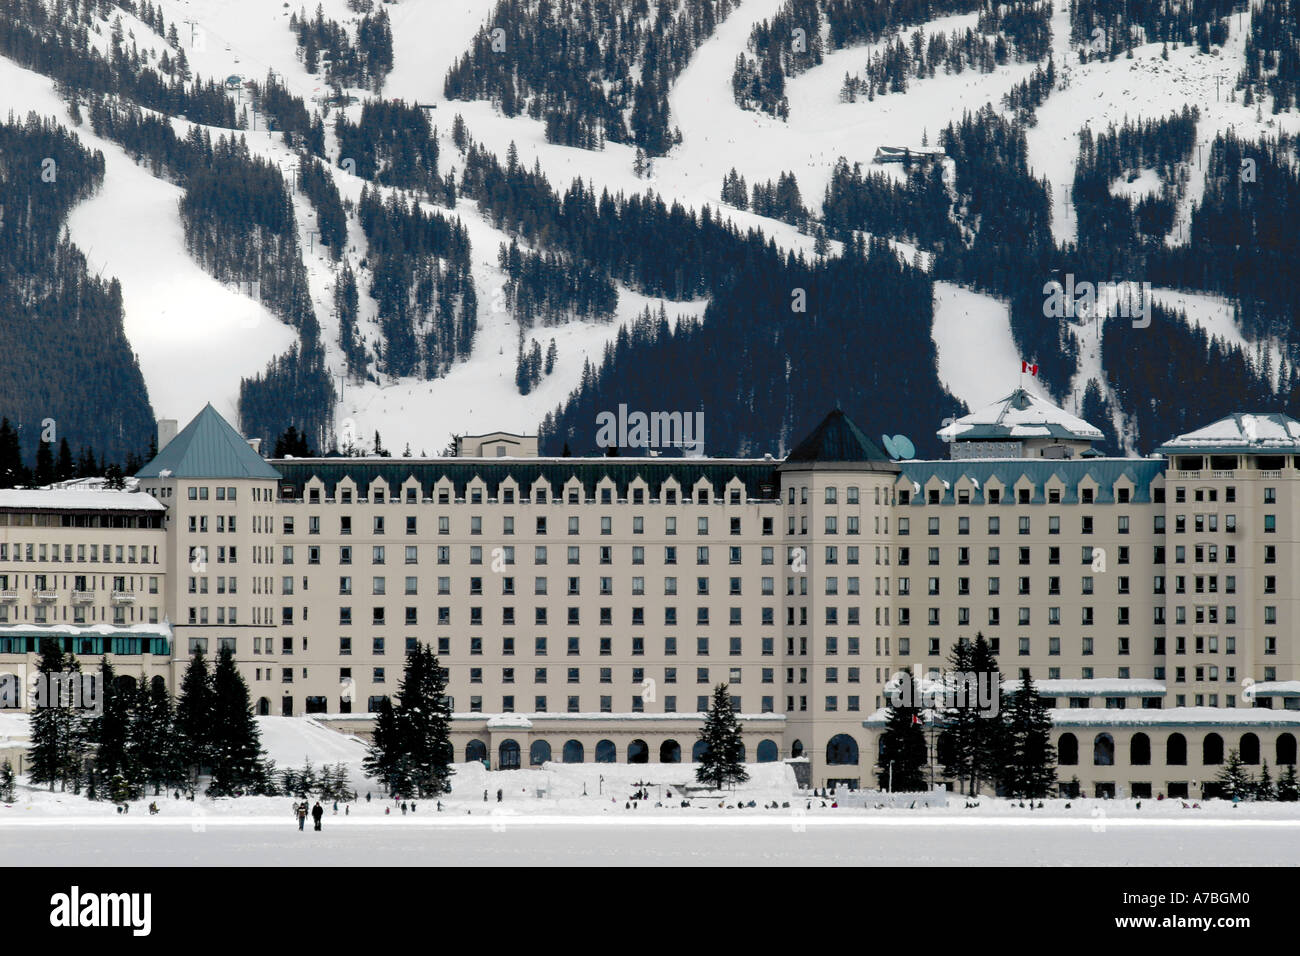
{"x":977,"y":355}
{"x":194,"y":338}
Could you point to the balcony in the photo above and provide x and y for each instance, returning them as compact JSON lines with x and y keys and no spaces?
{"x":83,"y":597}
{"x":44,"y":597}
{"x":123,"y":597}
{"x":8,"y":597}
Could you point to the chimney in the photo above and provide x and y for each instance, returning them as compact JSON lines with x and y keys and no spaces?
{"x":255,"y":444}
{"x":166,"y":432}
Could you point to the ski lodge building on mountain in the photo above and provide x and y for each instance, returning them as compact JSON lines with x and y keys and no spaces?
{"x":586,"y":607}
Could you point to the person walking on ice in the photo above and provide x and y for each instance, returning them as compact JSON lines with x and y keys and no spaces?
{"x":316,"y":813}
{"x":301,"y":810}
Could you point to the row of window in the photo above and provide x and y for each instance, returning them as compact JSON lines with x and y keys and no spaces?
{"x":32,"y":552}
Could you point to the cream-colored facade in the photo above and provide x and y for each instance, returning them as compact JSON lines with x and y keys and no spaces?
{"x":586,"y":608}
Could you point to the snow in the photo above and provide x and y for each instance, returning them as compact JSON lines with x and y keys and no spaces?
{"x":1096,"y":687}
{"x":66,"y":499}
{"x":193,"y":337}
{"x":977,"y":356}
{"x":1145,"y":182}
{"x":1251,"y":432}
{"x":1021,"y":414}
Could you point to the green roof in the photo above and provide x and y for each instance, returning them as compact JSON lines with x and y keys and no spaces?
{"x":208,"y":447}
{"x":837,"y":439}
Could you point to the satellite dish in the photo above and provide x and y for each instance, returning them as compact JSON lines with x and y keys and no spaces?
{"x":900,"y":446}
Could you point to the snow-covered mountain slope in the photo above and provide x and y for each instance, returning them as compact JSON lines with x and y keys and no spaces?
{"x":193,"y":336}
{"x":196,"y":338}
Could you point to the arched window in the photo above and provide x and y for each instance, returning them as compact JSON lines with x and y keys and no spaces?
{"x":263,"y":707}
{"x":475,"y":750}
{"x":606,"y":752}
{"x":1139,"y":750}
{"x":842,"y":750}
{"x":1067,"y":750}
{"x":767,"y":751}
{"x":539,"y":753}
{"x":796,"y":749}
{"x":1103,"y":750}
{"x":1286,"y":748}
{"x":1249,"y":748}
{"x":698,"y":751}
{"x":509,"y":754}
{"x":670,"y":751}
{"x":573,"y":752}
{"x":1176,"y":750}
{"x":638,"y":752}
{"x":1212,"y":750}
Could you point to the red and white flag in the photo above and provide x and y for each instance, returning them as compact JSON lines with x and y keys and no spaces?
{"x":1026,"y":367}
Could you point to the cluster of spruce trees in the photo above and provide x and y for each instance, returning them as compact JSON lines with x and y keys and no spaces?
{"x":421,"y":280}
{"x":1125,"y":24}
{"x":1114,"y":223}
{"x":49,"y":467}
{"x":1273,"y":55}
{"x":331,"y":219}
{"x":779,"y":199}
{"x":1008,"y":32}
{"x":820,"y":348}
{"x":1026,"y":96}
{"x":139,"y":740}
{"x":287,"y":114}
{"x":530,"y":366}
{"x":1011,"y":751}
{"x":802,"y":31}
{"x":326,"y":43}
{"x":549,"y":288}
{"x":54,"y":39}
{"x":1236,"y":782}
{"x":591,"y":71}
{"x":393,"y":144}
{"x":64,"y":355}
{"x":875,"y":202}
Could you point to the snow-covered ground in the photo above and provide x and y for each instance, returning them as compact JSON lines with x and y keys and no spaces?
{"x":585,"y":813}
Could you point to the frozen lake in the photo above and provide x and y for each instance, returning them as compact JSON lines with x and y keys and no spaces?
{"x":759,"y":840}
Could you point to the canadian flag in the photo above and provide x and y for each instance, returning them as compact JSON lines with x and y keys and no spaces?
{"x":1026,"y":367}
{"x":916,"y":719}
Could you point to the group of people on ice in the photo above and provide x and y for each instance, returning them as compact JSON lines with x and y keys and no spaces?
{"x":300,"y":811}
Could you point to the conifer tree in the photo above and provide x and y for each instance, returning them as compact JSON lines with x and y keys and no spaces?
{"x":194,"y":715}
{"x":57,"y":728}
{"x":1264,"y":789}
{"x":384,"y":760}
{"x":721,"y":764}
{"x":1234,"y":779}
{"x":109,"y":730}
{"x":903,"y":751}
{"x":411,"y":751}
{"x":236,"y":741}
{"x":152,"y":749}
{"x":1028,"y":764}
{"x":424,"y":721}
{"x":6,"y":782}
{"x":44,"y":473}
{"x":1288,"y":787}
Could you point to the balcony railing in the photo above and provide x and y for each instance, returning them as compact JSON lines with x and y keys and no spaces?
{"x":123,"y":597}
{"x":83,"y":597}
{"x":9,"y":596}
{"x":44,"y":597}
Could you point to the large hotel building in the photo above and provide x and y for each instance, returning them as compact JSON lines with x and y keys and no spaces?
{"x":586,"y":607}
